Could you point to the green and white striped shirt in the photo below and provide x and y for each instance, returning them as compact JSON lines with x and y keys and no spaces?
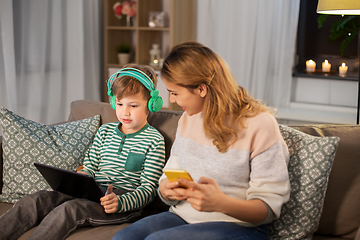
{"x":131,"y":162}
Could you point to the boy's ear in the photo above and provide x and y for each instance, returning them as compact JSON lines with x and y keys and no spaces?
{"x":202,"y":89}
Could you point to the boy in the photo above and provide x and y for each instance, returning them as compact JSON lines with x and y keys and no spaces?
{"x":128,"y":155}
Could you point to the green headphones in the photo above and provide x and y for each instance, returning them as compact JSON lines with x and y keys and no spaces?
{"x":155,"y":102}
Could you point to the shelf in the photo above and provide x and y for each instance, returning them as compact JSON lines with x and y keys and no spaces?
{"x":138,"y":28}
{"x":120,"y":28}
{"x":154,"y":28}
{"x":329,"y":76}
{"x":141,"y":37}
{"x":317,"y":113}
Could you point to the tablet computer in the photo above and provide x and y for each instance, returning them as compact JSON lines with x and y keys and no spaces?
{"x":71,"y":183}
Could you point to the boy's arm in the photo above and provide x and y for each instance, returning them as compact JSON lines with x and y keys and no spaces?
{"x":92,"y":157}
{"x":146,"y":192}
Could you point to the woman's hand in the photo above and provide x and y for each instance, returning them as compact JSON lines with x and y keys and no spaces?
{"x":110,"y":203}
{"x":167,"y":190}
{"x":203,"y":196}
{"x":206,"y":196}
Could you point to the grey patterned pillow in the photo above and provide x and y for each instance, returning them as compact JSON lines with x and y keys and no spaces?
{"x":310,"y":163}
{"x":26,"y":142}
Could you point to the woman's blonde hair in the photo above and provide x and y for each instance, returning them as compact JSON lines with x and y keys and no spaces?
{"x":191,"y":64}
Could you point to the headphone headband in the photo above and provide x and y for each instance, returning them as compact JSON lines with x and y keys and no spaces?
{"x":155,"y":102}
{"x":135,"y":73}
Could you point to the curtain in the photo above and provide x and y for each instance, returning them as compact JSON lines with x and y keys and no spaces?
{"x":49,"y":56}
{"x":257,"y":39}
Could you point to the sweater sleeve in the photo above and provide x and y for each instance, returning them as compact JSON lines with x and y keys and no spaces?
{"x":172,"y":163}
{"x":145,"y":193}
{"x":269,"y":178}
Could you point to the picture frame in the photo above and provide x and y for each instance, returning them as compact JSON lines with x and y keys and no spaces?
{"x":158,"y":19}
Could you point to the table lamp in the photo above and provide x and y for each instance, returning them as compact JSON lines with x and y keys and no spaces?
{"x":343,"y":7}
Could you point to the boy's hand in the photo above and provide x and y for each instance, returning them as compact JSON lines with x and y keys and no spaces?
{"x":109,"y":201}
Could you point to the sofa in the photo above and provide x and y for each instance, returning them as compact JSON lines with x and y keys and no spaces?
{"x":338,"y":210}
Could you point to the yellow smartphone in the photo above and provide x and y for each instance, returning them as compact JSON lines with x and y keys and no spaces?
{"x":174,"y":174}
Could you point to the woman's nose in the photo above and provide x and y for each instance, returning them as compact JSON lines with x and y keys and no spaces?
{"x":172,"y":99}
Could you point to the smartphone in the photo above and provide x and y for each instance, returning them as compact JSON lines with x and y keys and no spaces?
{"x":174,"y":174}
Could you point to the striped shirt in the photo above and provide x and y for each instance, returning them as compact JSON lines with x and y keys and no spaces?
{"x":132,"y":162}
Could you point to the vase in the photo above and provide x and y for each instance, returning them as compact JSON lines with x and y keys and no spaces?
{"x":123,"y":58}
{"x":128,"y":21}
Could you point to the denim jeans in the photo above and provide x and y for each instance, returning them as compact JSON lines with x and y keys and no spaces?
{"x":167,"y":225}
{"x":56,"y":215}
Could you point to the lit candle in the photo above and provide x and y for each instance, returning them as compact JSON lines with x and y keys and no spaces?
{"x":343,"y":69}
{"x":326,"y":66}
{"x":310,"y":66}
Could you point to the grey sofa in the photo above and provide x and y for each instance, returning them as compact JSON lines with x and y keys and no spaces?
{"x":340,"y":217}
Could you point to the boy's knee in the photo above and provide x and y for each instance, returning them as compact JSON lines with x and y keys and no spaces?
{"x":33,"y":199}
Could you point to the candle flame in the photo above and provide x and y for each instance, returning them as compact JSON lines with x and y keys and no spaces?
{"x":326,"y":61}
{"x":311,"y":61}
{"x":343,"y":64}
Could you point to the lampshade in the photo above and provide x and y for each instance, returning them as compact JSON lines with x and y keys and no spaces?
{"x":339,"y":7}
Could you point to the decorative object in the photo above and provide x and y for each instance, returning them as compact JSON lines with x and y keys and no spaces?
{"x":127,"y":8}
{"x":158,"y":19}
{"x":349,"y":7}
{"x":343,"y":69}
{"x":310,"y":66}
{"x":326,"y":66}
{"x":161,"y":62}
{"x":26,"y":142}
{"x":155,"y":57}
{"x":123,"y":53}
{"x":311,"y":159}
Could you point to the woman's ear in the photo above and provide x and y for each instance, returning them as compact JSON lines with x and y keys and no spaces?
{"x":202,"y":90}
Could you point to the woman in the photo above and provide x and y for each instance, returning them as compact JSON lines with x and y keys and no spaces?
{"x":232,"y":147}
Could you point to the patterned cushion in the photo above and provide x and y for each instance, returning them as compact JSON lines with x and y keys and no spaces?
{"x":26,"y":142}
{"x":310,"y":163}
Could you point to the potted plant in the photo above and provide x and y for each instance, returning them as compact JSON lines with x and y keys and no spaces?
{"x":123,"y":51}
{"x":346,"y":29}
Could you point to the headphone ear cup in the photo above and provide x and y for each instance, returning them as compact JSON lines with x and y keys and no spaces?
{"x":113,"y":102}
{"x":155,"y":104}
